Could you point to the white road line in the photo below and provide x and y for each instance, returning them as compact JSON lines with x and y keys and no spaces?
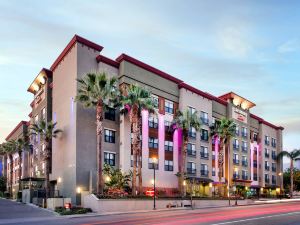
{"x":257,"y":218}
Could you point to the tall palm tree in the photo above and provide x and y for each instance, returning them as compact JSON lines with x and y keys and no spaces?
{"x":185,"y":120}
{"x":47,"y":131}
{"x":293,"y":156}
{"x":22,"y":145}
{"x":10,"y":148}
{"x":223,"y":129}
{"x":134,"y":101}
{"x":98,"y":91}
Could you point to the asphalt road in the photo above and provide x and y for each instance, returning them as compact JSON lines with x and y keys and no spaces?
{"x":271,"y":214}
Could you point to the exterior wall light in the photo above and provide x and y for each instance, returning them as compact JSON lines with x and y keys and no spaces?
{"x":59,"y":180}
{"x":78,"y":190}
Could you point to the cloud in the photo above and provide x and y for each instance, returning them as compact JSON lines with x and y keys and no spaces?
{"x":292,"y":45}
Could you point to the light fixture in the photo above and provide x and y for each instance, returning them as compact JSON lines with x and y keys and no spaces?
{"x":280,"y":174}
{"x":78,"y":190}
{"x":278,"y":190}
{"x":42,"y":80}
{"x":152,"y":181}
{"x":59,"y":180}
{"x":35,"y":87}
{"x":210,"y":185}
{"x":246,"y":188}
{"x":154,"y":160}
{"x":107,"y":179}
{"x":184,"y":183}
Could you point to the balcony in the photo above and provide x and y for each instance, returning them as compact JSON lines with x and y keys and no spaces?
{"x":204,"y":155}
{"x":204,"y":173}
{"x":191,"y":171}
{"x":236,"y":147}
{"x":236,"y":161}
{"x":267,"y":168}
{"x":204,"y":120}
{"x":244,"y":163}
{"x":244,"y":148}
{"x":244,"y":177}
{"x":236,"y":176}
{"x":191,"y":152}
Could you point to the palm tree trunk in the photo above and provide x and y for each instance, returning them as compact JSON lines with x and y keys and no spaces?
{"x":221,"y":162}
{"x":10,"y":174}
{"x":47,"y":167}
{"x":99,"y":119}
{"x":20,"y":169}
{"x":183,"y":166}
{"x":135,"y":142}
{"x":140,"y":159}
{"x":292,"y":177}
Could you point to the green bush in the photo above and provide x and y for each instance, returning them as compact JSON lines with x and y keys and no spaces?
{"x":74,"y":210}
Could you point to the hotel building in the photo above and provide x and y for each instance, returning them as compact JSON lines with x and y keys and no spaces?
{"x":250,"y":162}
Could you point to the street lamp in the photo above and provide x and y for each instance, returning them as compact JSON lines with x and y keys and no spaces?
{"x":154,"y":161}
{"x":280,"y":178}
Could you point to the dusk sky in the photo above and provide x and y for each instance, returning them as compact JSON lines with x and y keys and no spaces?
{"x":249,"y":47}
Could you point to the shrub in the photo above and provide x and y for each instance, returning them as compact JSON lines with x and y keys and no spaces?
{"x":72,"y":211}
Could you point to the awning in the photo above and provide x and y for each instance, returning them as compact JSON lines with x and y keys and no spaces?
{"x":200,"y":180}
{"x":33,"y":179}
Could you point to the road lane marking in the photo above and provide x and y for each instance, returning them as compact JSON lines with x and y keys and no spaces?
{"x":256,"y":218}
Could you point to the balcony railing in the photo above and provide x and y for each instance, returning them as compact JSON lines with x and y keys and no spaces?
{"x":236,"y":176}
{"x":244,"y":163}
{"x":204,"y":120}
{"x":191,"y":152}
{"x":244,"y":134}
{"x":267,"y":168}
{"x":267,"y":142}
{"x":204,"y":173}
{"x":244,"y":177}
{"x":191,"y":171}
{"x":204,"y":155}
{"x":236,"y":161}
{"x":244,"y":148}
{"x":236,"y":147}
{"x":274,"y":157}
{"x":273,"y":145}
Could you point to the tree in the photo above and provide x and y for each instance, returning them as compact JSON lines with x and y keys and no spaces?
{"x":47,"y":131}
{"x":98,"y":91}
{"x":22,"y":145}
{"x":224,"y":130}
{"x":2,"y":184}
{"x":185,"y":121}
{"x":293,"y":156}
{"x":116,"y":178}
{"x":287,"y":179}
{"x":134,"y":101}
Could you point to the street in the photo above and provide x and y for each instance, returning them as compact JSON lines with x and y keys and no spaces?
{"x":269,"y":214}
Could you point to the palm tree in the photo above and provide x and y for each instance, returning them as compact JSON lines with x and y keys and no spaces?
{"x":185,"y":120}
{"x":47,"y":131}
{"x":135,"y":100}
{"x":98,"y":91}
{"x":22,"y":145}
{"x":224,"y":130}
{"x":293,"y":156}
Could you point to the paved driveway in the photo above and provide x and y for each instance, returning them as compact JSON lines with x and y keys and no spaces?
{"x":14,"y":210}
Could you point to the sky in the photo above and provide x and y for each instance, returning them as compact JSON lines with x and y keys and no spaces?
{"x":249,"y":47}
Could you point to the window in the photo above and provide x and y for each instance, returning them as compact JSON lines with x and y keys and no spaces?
{"x":255,"y":176}
{"x":237,"y":130}
{"x":169,"y":107}
{"x":191,"y":149}
{"x":213,"y":155}
{"x":204,"y":117}
{"x":43,"y":147}
{"x":273,"y":167}
{"x":274,"y":156}
{"x":137,"y":161}
{"x":153,"y":142}
{"x":273,"y":179}
{"x":152,"y":165}
{"x":236,"y":144}
{"x":244,"y":175}
{"x":109,"y":136}
{"x":244,"y":146}
{"x":204,"y":170}
{"x":267,"y":179}
{"x":44,"y":114}
{"x":273,"y":143}
{"x":236,"y":174}
{"x":204,"y":152}
{"x":192,"y":132}
{"x":255,"y":137}
{"x":168,"y":165}
{"x":191,"y":168}
{"x":169,"y":146}
{"x":255,"y":163}
{"x":244,"y":161}
{"x":236,"y":158}
{"x":244,"y":131}
{"x":213,"y":172}
{"x":267,"y":166}
{"x":267,"y":140}
{"x":110,"y":158}
{"x":267,"y":153}
{"x":110,"y":114}
{"x":167,"y":125}
{"x":155,"y":101}
{"x":204,"y":135}
{"x":36,"y":119}
{"x":153,"y":122}
{"x":192,"y":110}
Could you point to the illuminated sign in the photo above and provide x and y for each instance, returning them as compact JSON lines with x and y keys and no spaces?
{"x":239,"y":115}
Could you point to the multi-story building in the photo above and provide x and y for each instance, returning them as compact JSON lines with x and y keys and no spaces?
{"x":20,"y":131}
{"x":74,"y":158}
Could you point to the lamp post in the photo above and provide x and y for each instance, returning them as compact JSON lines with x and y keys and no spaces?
{"x":280,"y":184}
{"x":154,"y":161}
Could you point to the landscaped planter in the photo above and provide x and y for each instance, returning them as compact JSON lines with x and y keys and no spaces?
{"x":52,"y":203}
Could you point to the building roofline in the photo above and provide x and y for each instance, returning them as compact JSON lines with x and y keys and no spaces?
{"x":104,"y":59}
{"x":261,"y":120}
{"x":16,"y":128}
{"x":203,"y":94}
{"x":43,"y":70}
{"x":147,"y":67}
{"x":75,"y":39}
